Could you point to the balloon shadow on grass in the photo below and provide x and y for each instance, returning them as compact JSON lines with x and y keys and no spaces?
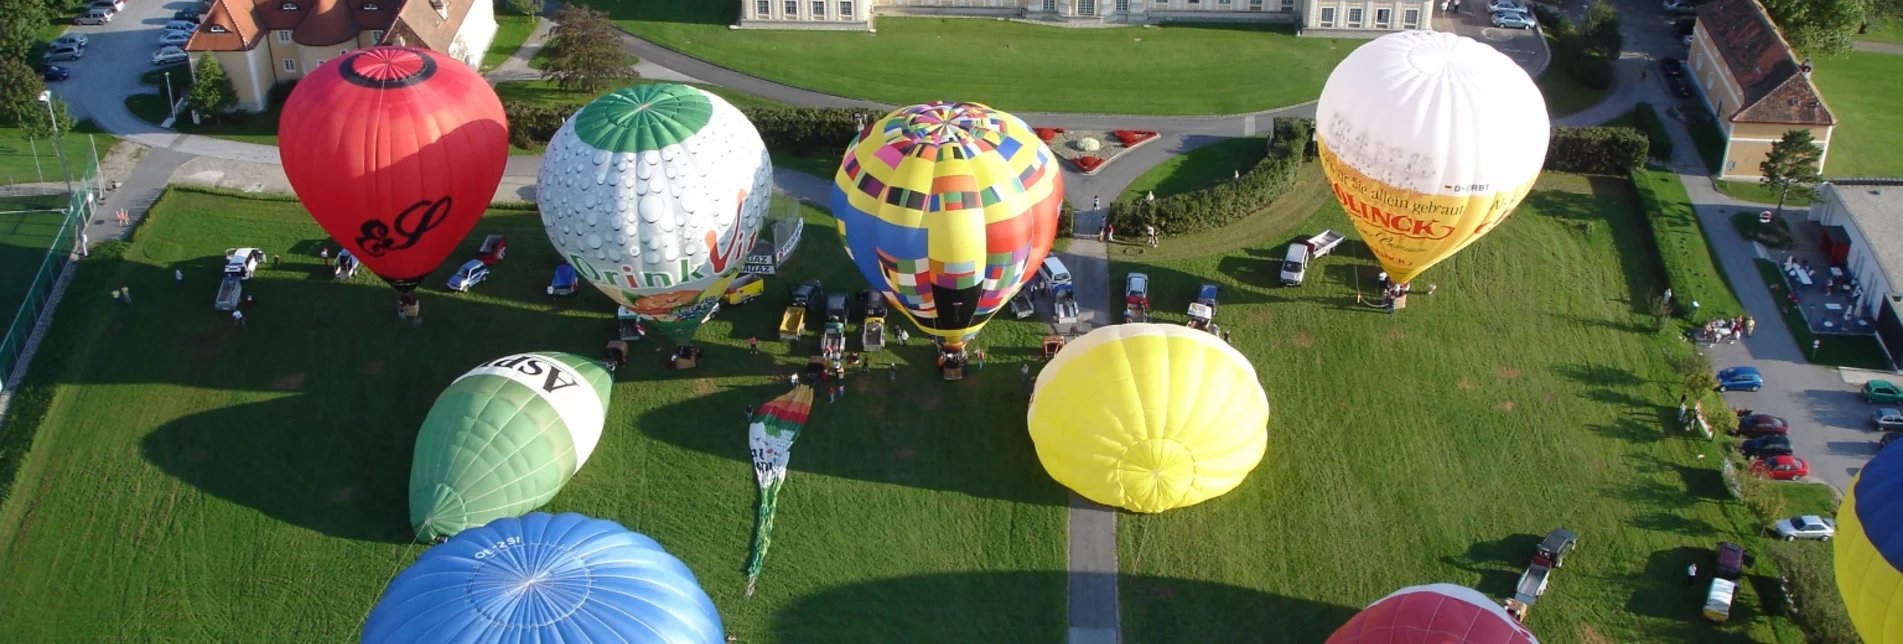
{"x":962,"y":607}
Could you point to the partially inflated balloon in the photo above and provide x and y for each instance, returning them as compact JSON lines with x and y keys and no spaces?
{"x":1149,"y":417}
{"x":655,"y":194}
{"x":948,"y":208}
{"x":1430,"y":140}
{"x":1870,"y":548}
{"x":1438,"y":613}
{"x":396,"y":152}
{"x":504,"y":438}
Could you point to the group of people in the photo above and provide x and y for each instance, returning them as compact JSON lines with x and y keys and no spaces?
{"x":1728,"y":330}
{"x":1107,"y":233}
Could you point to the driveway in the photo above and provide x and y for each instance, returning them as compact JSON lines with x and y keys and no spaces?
{"x":116,"y":55}
{"x":1524,"y":46}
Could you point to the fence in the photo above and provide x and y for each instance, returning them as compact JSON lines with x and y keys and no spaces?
{"x":33,"y":278}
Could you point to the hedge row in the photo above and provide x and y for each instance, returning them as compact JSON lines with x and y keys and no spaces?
{"x":1596,"y":150}
{"x":798,"y":131}
{"x":1690,"y":269}
{"x":1229,"y":202}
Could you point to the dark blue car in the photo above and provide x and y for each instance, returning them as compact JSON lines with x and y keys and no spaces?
{"x":1740,"y":379}
{"x":54,"y":73}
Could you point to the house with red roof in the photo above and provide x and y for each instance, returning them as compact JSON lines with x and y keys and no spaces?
{"x":1755,"y":85}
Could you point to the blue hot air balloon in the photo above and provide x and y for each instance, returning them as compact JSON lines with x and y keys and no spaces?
{"x":545,"y":578}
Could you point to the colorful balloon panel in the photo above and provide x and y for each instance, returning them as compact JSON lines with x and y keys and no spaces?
{"x":504,"y":438}
{"x":545,"y":578}
{"x":396,"y":152}
{"x":1429,"y":140}
{"x":1149,"y":417}
{"x":947,"y":209}
{"x":655,"y":193}
{"x":1869,"y":548}
{"x":1437,"y":613}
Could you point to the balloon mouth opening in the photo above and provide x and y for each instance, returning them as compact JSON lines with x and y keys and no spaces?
{"x":388,"y":67}
{"x":445,"y":502}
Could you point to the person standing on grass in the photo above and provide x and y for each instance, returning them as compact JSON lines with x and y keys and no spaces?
{"x":179,"y":276}
{"x":904,"y":337}
{"x":753,"y":345}
{"x":237,"y":318}
{"x":1024,"y":372}
{"x":980,"y":354}
{"x":1109,"y":234}
{"x":1691,"y":575}
{"x":127,"y":291}
{"x":323,"y":252}
{"x":892,"y":372}
{"x":115,"y":296}
{"x":749,"y":413}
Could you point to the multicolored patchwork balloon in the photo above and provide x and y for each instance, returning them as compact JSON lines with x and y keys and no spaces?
{"x":655,"y":193}
{"x":947,"y":209}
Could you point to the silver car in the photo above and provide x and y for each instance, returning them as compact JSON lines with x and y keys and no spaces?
{"x":1513,"y":20}
{"x":1805,"y":527}
{"x":1887,"y":419}
{"x":174,"y":38}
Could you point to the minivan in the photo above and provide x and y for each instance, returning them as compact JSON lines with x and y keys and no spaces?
{"x":1295,"y":265}
{"x":67,"y":52}
{"x":1053,"y":272}
{"x":94,"y":17}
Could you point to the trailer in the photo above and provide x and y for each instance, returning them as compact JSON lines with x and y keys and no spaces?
{"x":230,"y":292}
{"x":1064,"y":302}
{"x":628,"y":325}
{"x":872,"y":336}
{"x":793,"y":323}
{"x":1202,"y":311}
{"x":1295,"y":263}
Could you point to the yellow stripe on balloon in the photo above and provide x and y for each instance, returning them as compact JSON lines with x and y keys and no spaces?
{"x":1411,"y":231}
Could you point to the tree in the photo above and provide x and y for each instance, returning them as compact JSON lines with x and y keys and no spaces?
{"x":212,"y":93}
{"x":20,"y":89}
{"x":1791,"y":162}
{"x":522,"y":7}
{"x":1603,"y":29}
{"x":584,"y":51}
{"x":20,"y":24}
{"x":1879,"y":12}
{"x":1818,"y":28}
{"x":40,"y":127}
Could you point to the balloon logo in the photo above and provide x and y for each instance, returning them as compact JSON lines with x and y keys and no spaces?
{"x":396,"y":152}
{"x":1149,"y":417}
{"x":1869,"y":547}
{"x":655,"y":194}
{"x":947,"y":209}
{"x":1439,"y":613}
{"x":1430,"y":140}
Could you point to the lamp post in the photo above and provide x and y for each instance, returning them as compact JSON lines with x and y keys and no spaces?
{"x":47,"y":98}
{"x":171,"y":102}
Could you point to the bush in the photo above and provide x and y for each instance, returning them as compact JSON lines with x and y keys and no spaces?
{"x":521,"y":7}
{"x":807,"y":131}
{"x":531,"y":125}
{"x":280,"y":93}
{"x":1066,"y":220}
{"x":1661,"y":140}
{"x":1596,"y":150}
{"x":1586,"y":57}
{"x":1227,"y":203}
{"x":1683,"y":251}
{"x":1810,"y":577}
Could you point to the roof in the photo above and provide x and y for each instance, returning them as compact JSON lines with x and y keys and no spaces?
{"x":230,"y":25}
{"x":1877,"y":210}
{"x":1776,"y":87}
{"x":328,"y":23}
{"x":237,"y":25}
{"x":419,"y":23}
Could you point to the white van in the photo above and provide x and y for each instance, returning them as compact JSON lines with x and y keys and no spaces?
{"x":1295,"y":265}
{"x":1053,"y":272}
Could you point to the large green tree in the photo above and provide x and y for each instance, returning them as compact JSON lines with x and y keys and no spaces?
{"x":20,"y":88}
{"x":212,"y":93}
{"x":20,"y":23}
{"x":1818,"y":28}
{"x":1792,"y":162}
{"x":1603,"y":28}
{"x":584,"y":51}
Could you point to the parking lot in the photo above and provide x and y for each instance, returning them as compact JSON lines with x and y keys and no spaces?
{"x":116,"y":54}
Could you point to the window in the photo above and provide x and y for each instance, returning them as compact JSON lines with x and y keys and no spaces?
{"x":1411,"y":18}
{"x":284,"y":36}
{"x":1328,"y":16}
{"x":216,"y":28}
{"x":1222,"y":1}
{"x":792,"y":9}
{"x":1288,"y":5}
{"x":320,"y":63}
{"x":290,"y":65}
{"x":369,"y":6}
{"x":1086,"y":7}
{"x":288,"y":6}
{"x":1354,"y":17}
{"x":762,"y":8}
{"x":1255,"y":5}
{"x":819,"y":9}
{"x":1383,"y":16}
{"x":1123,"y":6}
{"x":1050,"y":6}
{"x":376,"y":35}
{"x":845,"y":10}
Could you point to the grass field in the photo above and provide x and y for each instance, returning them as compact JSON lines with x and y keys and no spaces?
{"x":511,"y":31}
{"x":1690,"y":270}
{"x":192,"y":481}
{"x":1440,"y":444}
{"x":17,"y":154}
{"x":1861,"y":89}
{"x":1889,"y":31}
{"x":1201,"y":168}
{"x":1756,"y":192}
{"x":28,"y":227}
{"x":1564,"y":95}
{"x":1008,"y":65}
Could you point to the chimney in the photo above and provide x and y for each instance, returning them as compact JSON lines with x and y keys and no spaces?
{"x":441,"y":7}
{"x":1805,"y":68}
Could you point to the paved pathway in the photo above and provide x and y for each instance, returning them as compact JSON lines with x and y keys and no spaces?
{"x":1878,"y":47}
{"x":517,"y":67}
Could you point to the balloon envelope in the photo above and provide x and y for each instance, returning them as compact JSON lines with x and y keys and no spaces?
{"x":1149,"y":417}
{"x":545,"y":578}
{"x":1869,"y":548}
{"x":947,"y":209}
{"x":396,"y":152}
{"x":1430,"y":140}
{"x":504,"y":438}
{"x":655,"y":193}
{"x":1438,"y":613}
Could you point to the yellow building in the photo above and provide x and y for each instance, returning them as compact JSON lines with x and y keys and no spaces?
{"x":262,"y":43}
{"x":1754,"y":84}
{"x":1332,"y":17}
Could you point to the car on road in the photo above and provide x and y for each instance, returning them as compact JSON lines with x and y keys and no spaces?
{"x":55,"y":73}
{"x":94,"y":17}
{"x":1765,"y":446}
{"x":77,"y":41}
{"x":1513,"y":20}
{"x":1755,"y":425}
{"x":181,"y":25}
{"x":1781,"y":468}
{"x":471,"y":273}
{"x":1671,"y":67}
{"x":57,"y":54}
{"x":187,"y":16}
{"x":1740,"y":378}
{"x":1887,"y":419}
{"x":1881,"y":391}
{"x":1888,"y":437}
{"x":1805,"y":527}
{"x":174,"y":38}
{"x":169,"y":56}
{"x":1679,"y":7}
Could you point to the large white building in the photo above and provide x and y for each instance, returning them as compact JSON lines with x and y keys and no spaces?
{"x":1316,"y":17}
{"x":1868,"y":213}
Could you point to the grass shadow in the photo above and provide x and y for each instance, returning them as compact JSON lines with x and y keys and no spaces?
{"x":1662,"y":590}
{"x":1675,"y":523}
{"x":1599,"y":375}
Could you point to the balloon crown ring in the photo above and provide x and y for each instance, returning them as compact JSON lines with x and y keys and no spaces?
{"x":387,"y":67}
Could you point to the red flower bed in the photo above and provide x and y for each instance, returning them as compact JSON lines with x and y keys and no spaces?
{"x":1132,"y":137}
{"x":1046,"y":133}
{"x":1058,"y":130}
{"x":1088,"y":164}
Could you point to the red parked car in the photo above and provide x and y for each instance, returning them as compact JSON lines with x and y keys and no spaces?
{"x":1781,"y":468}
{"x":1755,"y":425}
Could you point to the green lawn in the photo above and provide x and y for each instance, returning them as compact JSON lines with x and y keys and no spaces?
{"x":821,"y":167}
{"x":260,"y":128}
{"x":1756,"y":192}
{"x":511,"y":31}
{"x":18,"y":154}
{"x":1890,"y":31}
{"x":1836,"y":350}
{"x":29,"y":227}
{"x":1861,"y":89}
{"x":1564,"y":95}
{"x":192,"y":481}
{"x":1691,"y":272}
{"x":1201,"y":168}
{"x":1009,"y":65}
{"x":1441,"y":443}
{"x":1275,"y":226}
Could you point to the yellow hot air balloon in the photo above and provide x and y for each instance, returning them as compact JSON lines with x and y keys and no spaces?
{"x":1430,"y":140}
{"x":1149,"y":417}
{"x":1870,"y":549}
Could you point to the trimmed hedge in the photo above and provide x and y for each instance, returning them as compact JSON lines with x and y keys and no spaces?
{"x":1691,"y":270}
{"x":1596,"y":150}
{"x":799,"y":131}
{"x":1229,"y":202}
{"x":1661,"y":140}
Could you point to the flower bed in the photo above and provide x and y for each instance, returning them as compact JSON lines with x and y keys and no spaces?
{"x":1088,"y":164}
{"x":1089,"y":150}
{"x":1048,"y":133}
{"x":1130,"y":138}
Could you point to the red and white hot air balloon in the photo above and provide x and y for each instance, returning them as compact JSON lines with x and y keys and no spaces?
{"x":1436,"y":614}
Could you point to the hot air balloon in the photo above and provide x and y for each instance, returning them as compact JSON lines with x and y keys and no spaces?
{"x":545,"y":578}
{"x":1149,"y":417}
{"x":655,"y":194}
{"x":1439,"y":613}
{"x":504,"y":438}
{"x":1870,"y":548}
{"x":770,"y":436}
{"x":947,"y":209}
{"x":396,"y":152}
{"x":1430,"y":140}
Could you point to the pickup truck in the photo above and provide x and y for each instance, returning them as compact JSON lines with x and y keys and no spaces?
{"x":793,"y":321}
{"x":1295,"y":264}
{"x":1202,"y":312}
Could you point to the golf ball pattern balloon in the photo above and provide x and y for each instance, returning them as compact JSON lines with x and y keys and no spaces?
{"x":655,"y":193}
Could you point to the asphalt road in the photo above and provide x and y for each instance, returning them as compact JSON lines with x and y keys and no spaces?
{"x":116,"y":55}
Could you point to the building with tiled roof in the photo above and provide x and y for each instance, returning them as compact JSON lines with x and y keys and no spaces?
{"x":264,"y":43}
{"x":1754,"y":84}
{"x":1345,"y":18}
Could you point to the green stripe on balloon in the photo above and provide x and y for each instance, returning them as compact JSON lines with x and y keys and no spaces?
{"x":644,"y":117}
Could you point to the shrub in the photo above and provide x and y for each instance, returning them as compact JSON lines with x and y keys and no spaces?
{"x":1130,"y":138}
{"x":531,"y":124}
{"x":1087,"y":163}
{"x":1045,"y":134}
{"x":1596,"y":150}
{"x":1586,"y":57}
{"x":1229,"y":202}
{"x":1810,"y":578}
{"x":1684,"y":253}
{"x":281,"y":92}
{"x":1066,"y":220}
{"x":1661,"y":140}
{"x":806,"y":131}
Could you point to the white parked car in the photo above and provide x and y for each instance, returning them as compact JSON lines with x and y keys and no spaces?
{"x":76,"y":41}
{"x":1805,"y":527}
{"x":1504,"y":5}
{"x":174,"y":38}
{"x":169,"y":56}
